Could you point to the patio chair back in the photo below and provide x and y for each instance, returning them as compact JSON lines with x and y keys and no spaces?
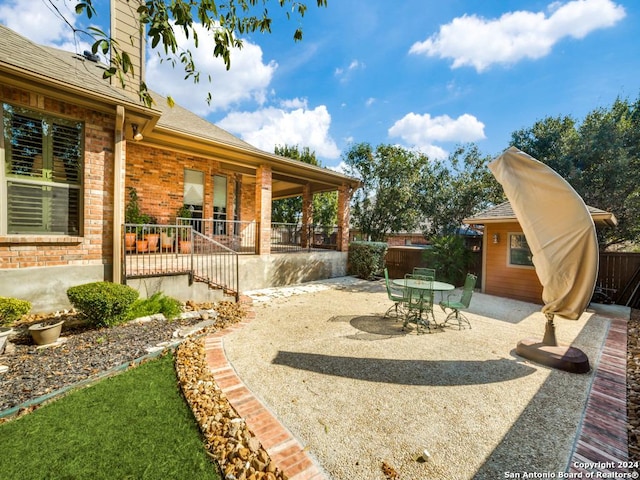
{"x":420,"y":299}
{"x":463,"y":303}
{"x":395,"y":294}
{"x":418,"y":302}
{"x":467,"y":291}
{"x":427,"y":272}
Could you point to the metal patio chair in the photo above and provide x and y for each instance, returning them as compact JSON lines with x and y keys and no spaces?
{"x":395,"y":294}
{"x":427,"y":272}
{"x":456,"y":305}
{"x":418,"y":302}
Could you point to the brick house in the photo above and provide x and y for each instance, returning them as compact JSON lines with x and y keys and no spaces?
{"x":72,"y":147}
{"x":507,"y":268}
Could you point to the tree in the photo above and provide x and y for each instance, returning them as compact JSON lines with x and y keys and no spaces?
{"x":459,"y":191}
{"x":393,"y":180}
{"x":289,"y":210}
{"x":224,"y":21}
{"x":600,"y":158}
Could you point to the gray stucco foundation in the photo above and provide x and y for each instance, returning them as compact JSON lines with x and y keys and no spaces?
{"x":46,"y":287}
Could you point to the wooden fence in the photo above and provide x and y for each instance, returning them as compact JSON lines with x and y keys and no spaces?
{"x":401,"y":260}
{"x":618,"y":276}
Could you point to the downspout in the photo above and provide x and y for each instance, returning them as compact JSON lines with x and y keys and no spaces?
{"x":118,"y":179}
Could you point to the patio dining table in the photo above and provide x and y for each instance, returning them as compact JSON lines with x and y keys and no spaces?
{"x":419,"y":284}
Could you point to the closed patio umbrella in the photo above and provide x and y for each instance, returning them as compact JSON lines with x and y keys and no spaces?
{"x":562,"y":238}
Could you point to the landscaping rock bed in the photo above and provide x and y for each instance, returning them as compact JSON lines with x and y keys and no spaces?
{"x":86,"y":352}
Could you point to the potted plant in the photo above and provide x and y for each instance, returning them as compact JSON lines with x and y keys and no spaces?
{"x":166,"y":240}
{"x":133,"y":214}
{"x":154,"y":239}
{"x":184,"y":234}
{"x":45,"y":333}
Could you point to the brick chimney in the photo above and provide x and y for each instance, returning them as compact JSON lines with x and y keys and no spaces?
{"x":127,"y":31}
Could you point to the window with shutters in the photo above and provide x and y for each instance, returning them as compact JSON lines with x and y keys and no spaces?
{"x":42,"y":174}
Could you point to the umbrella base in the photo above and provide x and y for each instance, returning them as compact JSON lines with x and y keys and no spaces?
{"x":569,"y":359}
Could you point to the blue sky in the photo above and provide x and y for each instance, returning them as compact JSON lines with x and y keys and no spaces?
{"x":422,"y":74}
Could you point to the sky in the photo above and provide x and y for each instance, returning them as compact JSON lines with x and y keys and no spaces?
{"x":423,"y":74}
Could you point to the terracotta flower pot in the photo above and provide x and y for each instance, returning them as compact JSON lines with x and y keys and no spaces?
{"x":142,"y":246}
{"x":153,"y":239}
{"x":185,"y":246}
{"x":130,"y":242}
{"x":166,"y":242}
{"x":44,"y":334}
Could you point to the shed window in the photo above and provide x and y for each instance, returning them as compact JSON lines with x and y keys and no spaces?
{"x":519,"y":251}
{"x":41,"y":182}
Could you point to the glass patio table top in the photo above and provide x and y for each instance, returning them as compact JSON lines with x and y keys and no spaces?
{"x":421,"y":284}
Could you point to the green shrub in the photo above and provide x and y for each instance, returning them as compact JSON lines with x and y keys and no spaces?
{"x":103,"y":304}
{"x":366,"y":259}
{"x":156,"y":303}
{"x":450,"y":257}
{"x":12,"y":309}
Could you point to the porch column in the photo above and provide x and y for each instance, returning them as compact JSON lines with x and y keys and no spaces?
{"x":344,"y":199}
{"x":307,"y":215}
{"x":119,"y":157}
{"x":263,"y":209}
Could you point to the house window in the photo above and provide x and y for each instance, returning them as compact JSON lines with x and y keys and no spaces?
{"x":194,"y":196}
{"x":41,"y":182}
{"x":519,"y":251}
{"x":219,"y":205}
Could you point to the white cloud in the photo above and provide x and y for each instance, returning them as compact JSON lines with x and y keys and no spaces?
{"x":478,"y":42}
{"x":39,"y":22}
{"x":344,"y":74}
{"x":342,"y":167}
{"x":422,"y":131}
{"x":370,"y":101}
{"x":272,"y":126}
{"x":247,"y":80}
{"x":294,"y":103}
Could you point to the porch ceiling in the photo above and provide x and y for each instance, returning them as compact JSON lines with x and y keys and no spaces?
{"x":289,"y":176}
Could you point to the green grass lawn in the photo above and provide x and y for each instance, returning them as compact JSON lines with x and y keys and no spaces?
{"x":135,"y":425}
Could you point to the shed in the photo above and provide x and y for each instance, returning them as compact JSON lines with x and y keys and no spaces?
{"x":507,"y":268}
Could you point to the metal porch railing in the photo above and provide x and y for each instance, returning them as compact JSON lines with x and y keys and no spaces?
{"x":241,"y":237}
{"x":158,"y":250}
{"x":292,"y":237}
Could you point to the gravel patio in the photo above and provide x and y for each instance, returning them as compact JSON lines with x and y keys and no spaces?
{"x":359,"y":393}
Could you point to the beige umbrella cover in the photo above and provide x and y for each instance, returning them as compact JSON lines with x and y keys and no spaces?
{"x":558,"y":228}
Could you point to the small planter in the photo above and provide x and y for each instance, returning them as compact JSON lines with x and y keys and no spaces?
{"x":153,"y":239}
{"x":185,"y":246}
{"x":166,"y":242}
{"x":5,"y":331}
{"x":45,"y":334}
{"x":142,"y":246}
{"x":130,"y":242}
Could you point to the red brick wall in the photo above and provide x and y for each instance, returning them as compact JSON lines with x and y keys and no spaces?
{"x":158,"y":177}
{"x":94,"y":246}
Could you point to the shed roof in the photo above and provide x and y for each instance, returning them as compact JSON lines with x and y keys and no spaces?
{"x":504,"y":213}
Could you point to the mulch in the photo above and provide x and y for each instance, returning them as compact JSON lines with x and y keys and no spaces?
{"x":87,"y":352}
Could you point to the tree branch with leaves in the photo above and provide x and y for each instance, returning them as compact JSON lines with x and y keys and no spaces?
{"x":225,"y":21}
